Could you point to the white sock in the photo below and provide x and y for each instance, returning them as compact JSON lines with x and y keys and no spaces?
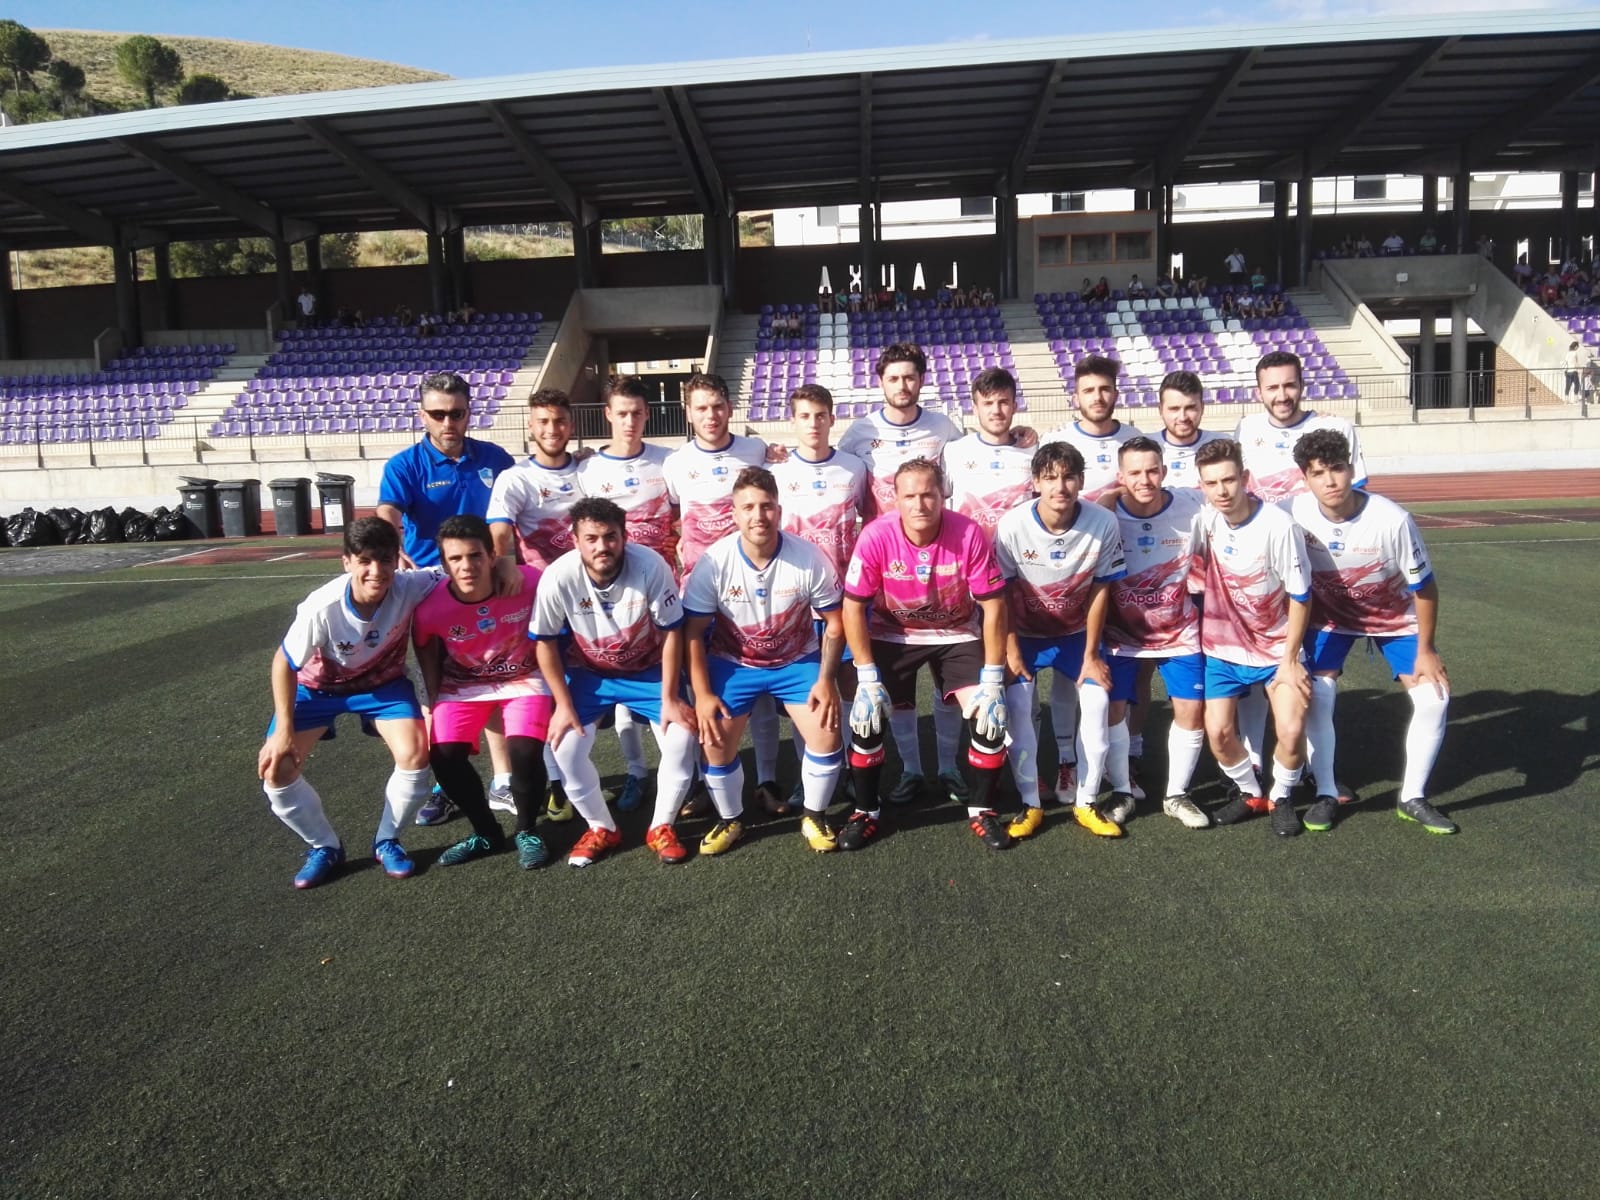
{"x":1243,"y":773}
{"x":1253,"y":710}
{"x":300,"y":808}
{"x":819,"y":775}
{"x":764,"y":736}
{"x":1320,"y":737}
{"x":404,"y":794}
{"x":632,"y":739}
{"x":501,"y":781}
{"x":1183,"y":756}
{"x":1284,"y":780}
{"x":552,"y":766}
{"x":1093,"y":737}
{"x":1136,"y":745}
{"x":1117,"y":756}
{"x":1064,"y":717}
{"x":903,"y":728}
{"x":1023,"y":748}
{"x":1424,"y":736}
{"x":947,"y":734}
{"x":726,"y":785}
{"x":581,"y":780}
{"x":680,"y":761}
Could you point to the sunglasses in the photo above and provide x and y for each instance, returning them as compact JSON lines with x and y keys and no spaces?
{"x":446,"y":414}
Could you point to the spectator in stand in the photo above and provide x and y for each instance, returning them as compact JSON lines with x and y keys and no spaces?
{"x":1197,"y":286}
{"x":885,"y":299}
{"x":1258,"y":281}
{"x":1591,"y":379}
{"x":1550,"y":289}
{"x":825,"y":301}
{"x":1246,"y":302}
{"x":1236,"y":267}
{"x":987,"y":298}
{"x":974,"y":296}
{"x":1086,"y":289}
{"x":1102,"y":290}
{"x":1364,"y":247}
{"x":942,"y":296}
{"x":1394,"y":243}
{"x":402,"y":316}
{"x":427,"y":325}
{"x":1165,"y":288}
{"x":1227,"y":306}
{"x":1136,"y":288}
{"x":308,"y":308}
{"x":854,"y":300}
{"x":1574,"y":382}
{"x":900,"y":304}
{"x":1522,"y":272}
{"x":1428,"y":243}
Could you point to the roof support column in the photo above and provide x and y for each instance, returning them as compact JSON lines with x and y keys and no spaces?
{"x":712,"y":241}
{"x":1161,"y":201}
{"x":314,"y":272}
{"x":455,"y":257}
{"x":166,"y":292}
{"x":1570,"y":250}
{"x":283,"y":254}
{"x":730,"y":253}
{"x":1458,"y":354}
{"x":1461,"y":198}
{"x":1430,"y":198}
{"x":438,"y":285}
{"x":867,"y":224}
{"x":586,"y":250}
{"x":124,"y":271}
{"x":1005,"y":232}
{"x":10,"y":333}
{"x":1280,"y":228}
{"x":1303,"y":200}
{"x":1426,"y":395}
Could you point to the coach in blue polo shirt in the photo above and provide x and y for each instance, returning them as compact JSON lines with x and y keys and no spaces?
{"x":444,"y":474}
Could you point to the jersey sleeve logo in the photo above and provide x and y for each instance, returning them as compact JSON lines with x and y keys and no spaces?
{"x":344,"y":647}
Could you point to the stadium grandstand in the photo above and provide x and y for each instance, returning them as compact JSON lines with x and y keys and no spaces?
{"x":113,"y":392}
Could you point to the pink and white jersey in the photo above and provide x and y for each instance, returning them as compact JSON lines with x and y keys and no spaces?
{"x":638,"y":486}
{"x":332,"y":649}
{"x":1269,"y":452}
{"x":1099,"y":455}
{"x":536,"y":500}
{"x":1249,"y":574}
{"x":1179,"y":459}
{"x":883,"y":446}
{"x":1364,"y":571}
{"x":614,"y":630}
{"x":924,"y":595}
{"x":1049,"y":575}
{"x":700,"y":483}
{"x":987,"y":481}
{"x":762,"y":615}
{"x":1152,"y":613}
{"x":822,"y":501}
{"x":487,"y":652}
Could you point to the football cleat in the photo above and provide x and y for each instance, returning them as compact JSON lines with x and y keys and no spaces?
{"x":321,"y":862}
{"x":1186,"y":812}
{"x":770,"y":797}
{"x":663,"y":839}
{"x":698,"y":802}
{"x":1239,"y":807}
{"x":631,"y":794}
{"x":1426,"y":815}
{"x":1285,"y":821}
{"x":860,"y":829}
{"x":955,"y":788}
{"x":531,"y":851}
{"x":907,"y":790}
{"x":594,"y":845}
{"x":1135,"y":771}
{"x":1120,"y":807}
{"x":814,"y":828}
{"x":395,"y":861}
{"x":990,"y":830}
{"x":1067,"y":783}
{"x":1319,"y":817}
{"x":724,"y":836}
{"x":466,"y":850}
{"x":438,"y":809}
{"x":557,"y":807}
{"x":1092,"y":818}
{"x":1026,"y":823}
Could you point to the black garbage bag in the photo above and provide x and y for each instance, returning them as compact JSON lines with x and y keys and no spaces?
{"x":69,"y":523}
{"x":170,"y":526}
{"x":103,"y":525}
{"x":137,"y":526}
{"x":30,"y":528}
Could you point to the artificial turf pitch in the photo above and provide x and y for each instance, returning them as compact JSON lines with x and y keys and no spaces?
{"x":1369,"y":1012}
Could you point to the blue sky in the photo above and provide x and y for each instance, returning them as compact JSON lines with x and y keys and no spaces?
{"x":491,"y":37}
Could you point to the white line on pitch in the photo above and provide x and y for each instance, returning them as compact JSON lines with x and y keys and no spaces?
{"x":286,"y":557}
{"x":161,"y":562}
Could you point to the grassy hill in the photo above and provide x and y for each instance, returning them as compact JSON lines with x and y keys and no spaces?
{"x":248,"y":67}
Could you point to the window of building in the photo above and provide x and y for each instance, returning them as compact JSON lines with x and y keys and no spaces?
{"x":1053,"y":251}
{"x":1267,"y":192}
{"x":1091,"y":248}
{"x":1069,"y":201}
{"x":827,"y":216}
{"x":977,"y":206}
{"x":1370,"y":187}
{"x":1135,"y":246}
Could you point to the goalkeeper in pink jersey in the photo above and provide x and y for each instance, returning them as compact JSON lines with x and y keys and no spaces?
{"x":478,"y":663}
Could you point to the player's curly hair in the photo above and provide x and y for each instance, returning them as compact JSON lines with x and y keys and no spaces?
{"x":1326,"y":446}
{"x":550,"y":398}
{"x":599,"y":511}
{"x":1186,"y":383}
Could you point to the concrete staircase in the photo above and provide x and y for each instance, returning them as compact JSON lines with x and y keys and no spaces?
{"x":1335,"y":333}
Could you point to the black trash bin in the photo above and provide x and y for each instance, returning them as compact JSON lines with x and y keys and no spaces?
{"x":291,"y":506}
{"x":241,"y":507}
{"x":200,"y":509}
{"x":338,"y":496}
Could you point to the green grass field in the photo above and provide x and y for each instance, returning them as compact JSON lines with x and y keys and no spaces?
{"x":1368,"y":1012}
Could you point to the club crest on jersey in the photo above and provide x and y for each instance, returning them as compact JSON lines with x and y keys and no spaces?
{"x":457,"y":632}
{"x":735,"y":592}
{"x":373,"y":637}
{"x":486,"y":475}
{"x":718,"y":472}
{"x":586,"y":605}
{"x":487,"y":625}
{"x":897,"y":567}
{"x":1030,"y":556}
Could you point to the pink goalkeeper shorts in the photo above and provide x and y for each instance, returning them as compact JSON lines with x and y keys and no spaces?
{"x":464,"y":720}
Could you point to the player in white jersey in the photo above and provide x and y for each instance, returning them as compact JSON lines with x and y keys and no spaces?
{"x":629,"y":472}
{"x":477,"y":663}
{"x":1096,"y":433}
{"x":610,"y":630}
{"x":529,"y":505}
{"x":1268,"y":437}
{"x":700,"y":479}
{"x":898,"y":432}
{"x":346,"y":653}
{"x":755,"y":592}
{"x":1257,"y":593}
{"x":821,"y":489}
{"x":1154,"y":622}
{"x":1182,"y":408}
{"x":1059,"y":558}
{"x":989,"y":474}
{"x":1370,"y":578}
